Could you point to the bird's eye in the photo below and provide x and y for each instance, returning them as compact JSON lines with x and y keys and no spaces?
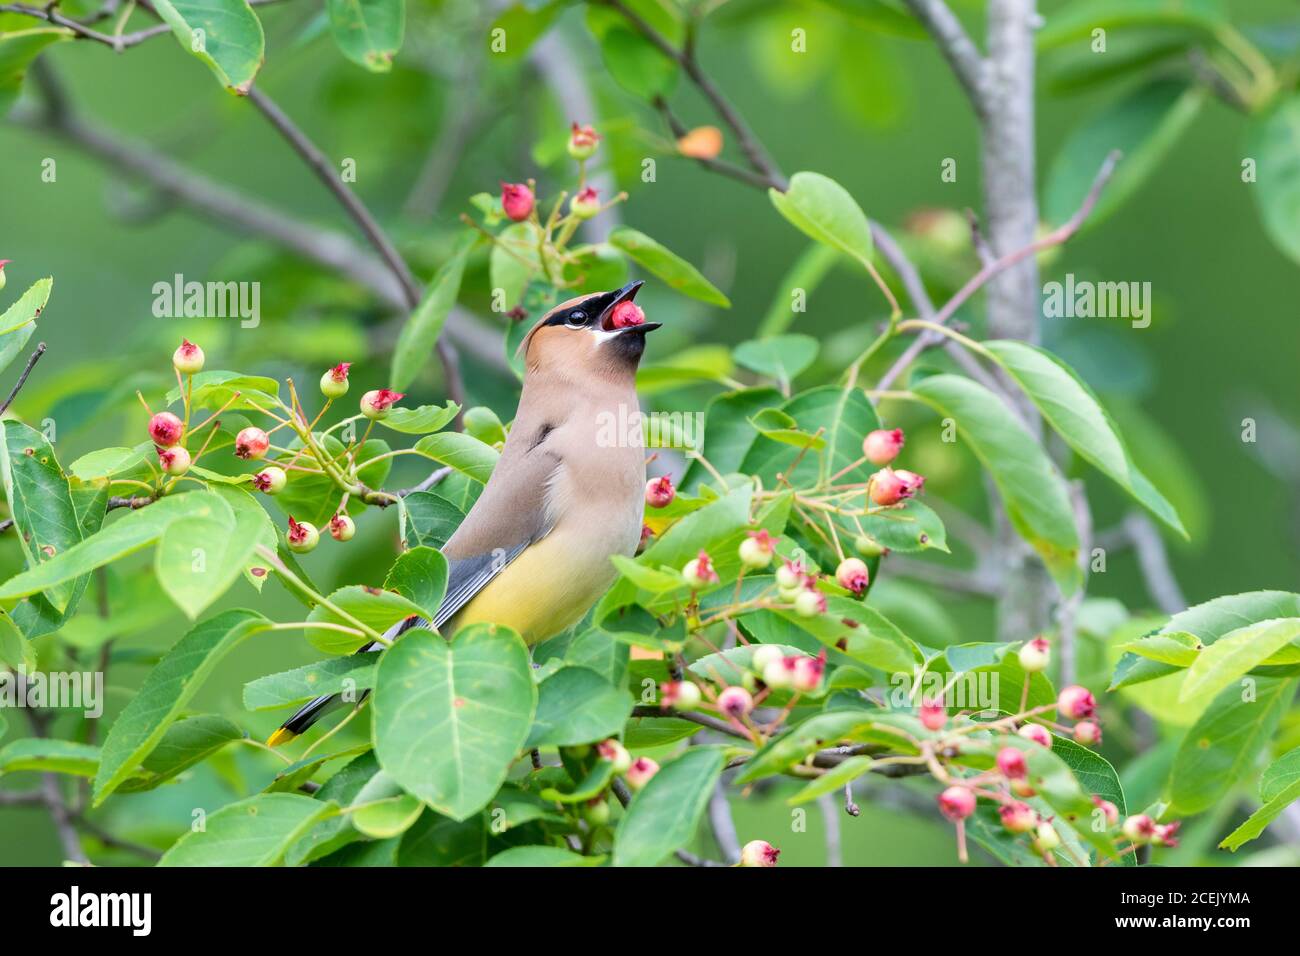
{"x":577,"y":318}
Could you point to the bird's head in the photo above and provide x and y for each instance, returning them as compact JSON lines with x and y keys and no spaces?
{"x":590,"y":333}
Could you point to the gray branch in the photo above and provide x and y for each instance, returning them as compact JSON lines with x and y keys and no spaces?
{"x":971,"y":69}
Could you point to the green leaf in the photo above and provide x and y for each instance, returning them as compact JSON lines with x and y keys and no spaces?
{"x":167,"y":689}
{"x":31,"y":303}
{"x":430,"y":519}
{"x":728,"y":435}
{"x":333,"y":832}
{"x":781,"y":357}
{"x":822,"y":209}
{"x":533,"y":856}
{"x":600,"y":651}
{"x":314,"y":498}
{"x":1273,"y":140}
{"x":843,"y":416}
{"x":450,"y":718}
{"x":198,"y":560}
{"x":673,"y":270}
{"x":665,"y":814}
{"x":108,"y":461}
{"x":422,"y":420}
{"x":1077,"y":21}
{"x":1223,"y":743}
{"x":636,"y":64}
{"x":483,"y":424}
{"x":576,"y":705}
{"x":356,"y":672}
{"x":688,"y":366}
{"x":215,"y":388}
{"x":1032,"y":488}
{"x":912,"y":526}
{"x":420,"y":334}
{"x":379,"y":610}
{"x":822,"y":730}
{"x":187,"y":742}
{"x":1178,"y":648}
{"x":523,"y":24}
{"x":49,"y":756}
{"x":1235,"y":654}
{"x":1072,"y":409}
{"x":1093,"y":771}
{"x":832,"y":780}
{"x":1143,"y":125}
{"x":1279,"y":787}
{"x":369,"y":32}
{"x":382,"y":809}
{"x":805,"y":275}
{"x":420,"y":576}
{"x":224,"y":34}
{"x":40,"y":502}
{"x":22,"y":39}
{"x":467,"y":455}
{"x":252,"y":832}
{"x":1281,"y":774}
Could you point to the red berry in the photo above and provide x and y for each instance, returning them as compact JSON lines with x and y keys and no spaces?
{"x":376,"y":403}
{"x":881,"y":446}
{"x":659,"y":492}
{"x":852,"y":575}
{"x":886,"y":487}
{"x":911,"y":480}
{"x":517,"y":201}
{"x":957,"y":803}
{"x":810,"y":602}
{"x":933,"y":714}
{"x":808,"y":672}
{"x":251,"y":443}
{"x":626,"y":314}
{"x":735,"y":702}
{"x":270,"y":480}
{"x":679,"y":695}
{"x":1076,"y":702}
{"x":1165,"y":834}
{"x":639,"y":774}
{"x":1037,"y":733}
{"x":613,"y":751}
{"x":165,"y":429}
{"x":1087,"y":732}
{"x":174,"y":461}
{"x":1018,"y":817}
{"x":1139,"y":828}
{"x":1011,"y":763}
{"x":758,"y":853}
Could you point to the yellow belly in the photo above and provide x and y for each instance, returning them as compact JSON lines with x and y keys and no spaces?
{"x":544,"y":591}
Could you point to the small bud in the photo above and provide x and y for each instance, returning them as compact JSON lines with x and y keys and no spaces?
{"x":1018,"y":817}
{"x":302,"y":536}
{"x":188,"y":358}
{"x":789,"y":575}
{"x":757,"y":549}
{"x":342,"y":527}
{"x":639,"y":774}
{"x":1011,"y":763}
{"x":270,"y":480}
{"x":779,"y":674}
{"x":703,"y":142}
{"x":808,"y":672}
{"x":1076,"y":702}
{"x":613,"y":751}
{"x":166,"y":429}
{"x":252,"y":443}
{"x":882,"y":446}
{"x":735,"y":702}
{"x":699,"y":572}
{"x":3,"y":263}
{"x":957,"y":803}
{"x":852,"y":575}
{"x":810,"y":602}
{"x":596,"y":811}
{"x":1139,"y":828}
{"x":762,"y":656}
{"x":868,"y":546}
{"x":626,"y":315}
{"x":887,"y":488}
{"x":334,"y":383}
{"x":1037,"y":733}
{"x":758,"y":853}
{"x":174,"y":461}
{"x":1087,"y":732}
{"x":933,"y":714}
{"x":582,"y":141}
{"x":1109,"y":809}
{"x":517,"y":201}
{"x":586,"y":204}
{"x":659,"y":492}
{"x":1046,"y":839}
{"x":377,"y":403}
{"x":679,"y":695}
{"x":1035,"y":655}
{"x":1165,"y":834}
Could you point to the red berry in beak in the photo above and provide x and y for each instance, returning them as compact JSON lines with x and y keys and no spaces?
{"x":881,"y":446}
{"x":626,"y":314}
{"x":517,"y":201}
{"x":659,"y":492}
{"x":165,"y":429}
{"x":251,"y":443}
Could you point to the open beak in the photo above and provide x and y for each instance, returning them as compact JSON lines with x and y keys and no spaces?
{"x":625,"y":294}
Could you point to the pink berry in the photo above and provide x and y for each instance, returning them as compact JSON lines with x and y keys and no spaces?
{"x":165,"y":429}
{"x":1165,"y":834}
{"x":586,"y":204}
{"x":679,"y":695}
{"x":1011,"y":763}
{"x":1139,"y":828}
{"x":1076,"y":702}
{"x":1108,"y":809}
{"x":627,"y":314}
{"x":1018,"y":817}
{"x":957,"y":803}
{"x":735,"y":702}
{"x":188,"y":358}
{"x":699,"y":572}
{"x":887,"y":488}
{"x":933,"y":714}
{"x":1087,"y":732}
{"x":582,"y":141}
{"x":913,"y":482}
{"x":377,"y":403}
{"x":852,"y":575}
{"x":882,"y":446}
{"x":517,"y":201}
{"x":252,"y":443}
{"x":302,"y":536}
{"x":1035,"y":655}
{"x":659,"y":492}
{"x":174,"y":461}
{"x":1037,"y":733}
{"x":639,"y":774}
{"x":613,"y":751}
{"x":758,"y":853}
{"x":808,"y":672}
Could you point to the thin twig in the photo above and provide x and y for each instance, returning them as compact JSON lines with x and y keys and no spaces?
{"x":970,"y":68}
{"x":1154,"y":562}
{"x":22,"y":379}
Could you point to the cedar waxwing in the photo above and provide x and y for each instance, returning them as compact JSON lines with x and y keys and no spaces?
{"x":533,"y":554}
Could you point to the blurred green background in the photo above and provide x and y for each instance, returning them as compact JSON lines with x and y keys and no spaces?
{"x":875,"y":111}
